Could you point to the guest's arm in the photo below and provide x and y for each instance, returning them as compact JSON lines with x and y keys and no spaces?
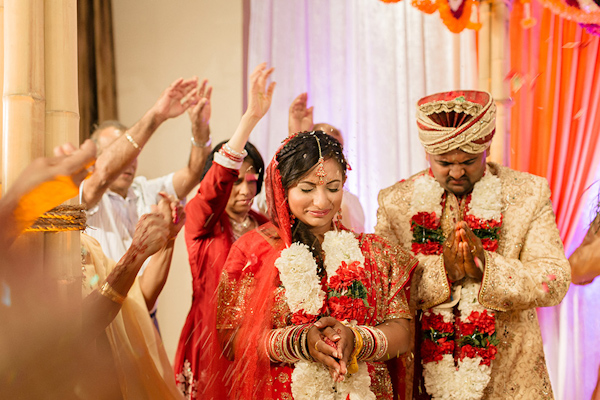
{"x":186,"y":178}
{"x":44,"y":184}
{"x":300,"y":117}
{"x":259,"y":101}
{"x":205,"y":209}
{"x":121,"y":153}
{"x":585,"y":260}
{"x":155,"y":275}
{"x":102,"y":305}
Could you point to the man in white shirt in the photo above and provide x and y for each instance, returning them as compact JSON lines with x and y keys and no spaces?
{"x":115,"y":198}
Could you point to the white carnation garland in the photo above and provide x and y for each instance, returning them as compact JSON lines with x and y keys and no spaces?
{"x":444,"y":380}
{"x":303,"y":292}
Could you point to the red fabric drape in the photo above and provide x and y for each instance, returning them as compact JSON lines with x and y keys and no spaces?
{"x":555,"y":120}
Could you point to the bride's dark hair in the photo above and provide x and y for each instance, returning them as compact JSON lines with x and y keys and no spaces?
{"x":295,"y":159}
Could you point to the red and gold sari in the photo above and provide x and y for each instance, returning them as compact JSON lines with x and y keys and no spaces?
{"x":252,"y":301}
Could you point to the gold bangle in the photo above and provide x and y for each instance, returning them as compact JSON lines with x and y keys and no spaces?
{"x":107,"y":291}
{"x":132,"y":141}
{"x":358,"y":346}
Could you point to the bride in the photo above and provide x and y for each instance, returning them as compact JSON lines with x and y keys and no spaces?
{"x":308,"y":309}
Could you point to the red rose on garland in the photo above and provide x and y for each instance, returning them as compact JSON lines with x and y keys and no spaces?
{"x":467,"y":351}
{"x":345,"y":275}
{"x":346,"y":308}
{"x":431,"y":351}
{"x":300,"y":317}
{"x":427,"y":248}
{"x":426,"y":220}
{"x":465,"y":329}
{"x":476,"y":223}
{"x":436,"y":322}
{"x":489,"y":244}
{"x":488,"y":354}
{"x":484,"y":322}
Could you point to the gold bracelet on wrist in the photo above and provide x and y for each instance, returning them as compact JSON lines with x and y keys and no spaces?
{"x":107,"y":291}
{"x":132,"y":141}
{"x":358,"y":346}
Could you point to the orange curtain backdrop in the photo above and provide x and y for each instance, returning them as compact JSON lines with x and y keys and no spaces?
{"x":555,"y":122}
{"x":555,"y":129}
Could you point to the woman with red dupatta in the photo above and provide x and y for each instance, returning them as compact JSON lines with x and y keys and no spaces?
{"x":217,"y":216}
{"x":308,"y":309}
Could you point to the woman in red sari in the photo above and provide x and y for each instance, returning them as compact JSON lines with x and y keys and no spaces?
{"x":216,"y":217}
{"x":308,"y":309}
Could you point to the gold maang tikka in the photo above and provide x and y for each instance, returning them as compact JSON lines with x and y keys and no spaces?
{"x":321,"y":168}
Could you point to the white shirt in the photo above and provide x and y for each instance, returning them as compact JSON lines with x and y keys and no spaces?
{"x":112,"y":221}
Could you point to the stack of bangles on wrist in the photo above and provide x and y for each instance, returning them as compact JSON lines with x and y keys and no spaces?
{"x":233,"y":155}
{"x":374,"y":343}
{"x":290,"y":344}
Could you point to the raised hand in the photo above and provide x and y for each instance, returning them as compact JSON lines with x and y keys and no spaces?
{"x":177,"y":98}
{"x":152,"y":230}
{"x":200,"y":114}
{"x":173,"y":211}
{"x":260,"y":95}
{"x":300,"y":117}
{"x":46,"y":183}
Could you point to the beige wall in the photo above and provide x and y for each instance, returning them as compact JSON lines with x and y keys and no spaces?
{"x":157,"y":42}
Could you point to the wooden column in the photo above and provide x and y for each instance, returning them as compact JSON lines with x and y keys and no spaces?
{"x":24,"y":104}
{"x":24,"y":92}
{"x":1,"y":78}
{"x":62,"y":259}
{"x":40,"y":112}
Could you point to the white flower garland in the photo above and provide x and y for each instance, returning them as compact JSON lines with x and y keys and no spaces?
{"x":338,"y":247}
{"x":298,"y":274}
{"x":486,"y":200}
{"x":443,"y":380}
{"x":427,"y":196}
{"x":311,"y":380}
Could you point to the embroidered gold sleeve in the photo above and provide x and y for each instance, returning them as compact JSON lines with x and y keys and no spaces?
{"x":232,"y":300}
{"x":537,"y":277}
{"x":430,"y":282}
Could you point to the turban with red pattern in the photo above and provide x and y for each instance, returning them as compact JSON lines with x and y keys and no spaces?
{"x":464,"y":120}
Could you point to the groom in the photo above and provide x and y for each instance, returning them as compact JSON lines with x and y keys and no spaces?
{"x":489,"y":253}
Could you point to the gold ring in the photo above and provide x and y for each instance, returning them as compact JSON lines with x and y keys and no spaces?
{"x":448,"y":245}
{"x":316,"y":343}
{"x":473,"y":250}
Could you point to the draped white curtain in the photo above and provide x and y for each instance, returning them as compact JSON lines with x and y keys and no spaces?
{"x":570,"y":330}
{"x":364,"y":64}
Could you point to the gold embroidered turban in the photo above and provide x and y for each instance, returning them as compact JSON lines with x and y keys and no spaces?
{"x":464,"y":120}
